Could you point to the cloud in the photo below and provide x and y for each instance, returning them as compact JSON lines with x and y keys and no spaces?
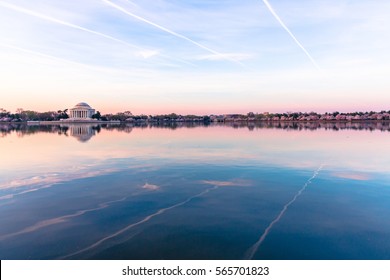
{"x":35,"y":53}
{"x":234,"y":56}
{"x":147,"y":53}
{"x":61,"y":22}
{"x":132,"y":3}
{"x":171,"y":32}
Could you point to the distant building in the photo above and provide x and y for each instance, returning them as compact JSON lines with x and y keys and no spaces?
{"x":82,"y":111}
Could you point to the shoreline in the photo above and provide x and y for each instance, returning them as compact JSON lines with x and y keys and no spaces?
{"x":188,"y":121}
{"x":383,"y":125}
{"x":69,"y":122}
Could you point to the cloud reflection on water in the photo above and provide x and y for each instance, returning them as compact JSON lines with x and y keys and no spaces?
{"x":353,"y":175}
{"x":57,"y":220}
{"x":65,"y":218}
{"x":232,"y":183}
{"x":284,"y":145}
{"x":49,"y":180}
{"x":130,"y":226}
{"x":173,"y":166}
{"x":150,"y":187}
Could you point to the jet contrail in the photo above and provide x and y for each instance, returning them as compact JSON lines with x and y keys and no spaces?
{"x":171,"y":32}
{"x":62,"y":60}
{"x":144,"y":220}
{"x":75,"y":26}
{"x":253,"y":249}
{"x":132,"y":3}
{"x":46,"y":56}
{"x":58,"y":21}
{"x":290,"y":33}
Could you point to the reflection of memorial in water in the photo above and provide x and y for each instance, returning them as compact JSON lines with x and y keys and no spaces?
{"x":83,"y":132}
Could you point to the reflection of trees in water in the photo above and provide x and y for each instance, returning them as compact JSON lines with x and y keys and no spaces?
{"x":334,"y":126}
{"x":84,"y":132}
{"x":22,"y":129}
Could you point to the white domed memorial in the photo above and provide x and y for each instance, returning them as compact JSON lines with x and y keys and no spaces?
{"x":81,"y":111}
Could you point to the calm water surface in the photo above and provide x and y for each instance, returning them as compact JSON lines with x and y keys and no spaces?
{"x":281,"y":191}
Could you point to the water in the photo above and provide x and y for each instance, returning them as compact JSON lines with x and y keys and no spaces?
{"x":258,"y":191}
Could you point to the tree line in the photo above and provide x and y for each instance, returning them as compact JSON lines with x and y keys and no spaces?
{"x":22,"y":115}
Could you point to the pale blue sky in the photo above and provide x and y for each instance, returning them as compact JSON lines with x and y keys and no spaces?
{"x":216,"y":56}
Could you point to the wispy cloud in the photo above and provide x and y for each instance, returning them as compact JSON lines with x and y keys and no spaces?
{"x":35,"y":53}
{"x":68,"y":24}
{"x":92,"y":69}
{"x":270,"y":8}
{"x":234,"y":56}
{"x":147,"y":54}
{"x":144,"y":52}
{"x":214,"y":52}
{"x":132,"y":3}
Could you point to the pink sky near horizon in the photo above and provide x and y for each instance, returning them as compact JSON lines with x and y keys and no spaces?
{"x":183,"y":109}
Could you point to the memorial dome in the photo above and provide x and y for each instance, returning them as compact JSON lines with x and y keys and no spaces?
{"x":82,"y":105}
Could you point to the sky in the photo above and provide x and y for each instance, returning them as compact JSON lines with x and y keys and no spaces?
{"x":195,"y":56}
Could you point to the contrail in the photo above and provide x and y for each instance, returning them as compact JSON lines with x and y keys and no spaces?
{"x":75,"y":26}
{"x":62,"y":60}
{"x":64,"y":218}
{"x":290,"y":33}
{"x":144,"y":220}
{"x":51,"y":19}
{"x":46,"y":56}
{"x":253,"y":249}
{"x":132,"y":3}
{"x":171,"y":32}
{"x":57,"y":220}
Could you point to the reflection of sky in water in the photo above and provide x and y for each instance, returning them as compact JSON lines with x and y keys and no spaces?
{"x":190,"y":193}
